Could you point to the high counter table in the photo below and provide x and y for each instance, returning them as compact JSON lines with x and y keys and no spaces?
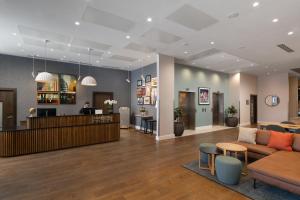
{"x":44,"y":134}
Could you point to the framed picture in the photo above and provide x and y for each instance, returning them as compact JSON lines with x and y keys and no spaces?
{"x":140,"y":101}
{"x":154,"y":82}
{"x":147,"y":100}
{"x":148,"y":79}
{"x":203,"y":96}
{"x":139,"y":83}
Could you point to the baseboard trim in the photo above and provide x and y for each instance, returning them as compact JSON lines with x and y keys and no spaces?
{"x":165,"y":137}
{"x":201,"y":128}
{"x":245,"y":124}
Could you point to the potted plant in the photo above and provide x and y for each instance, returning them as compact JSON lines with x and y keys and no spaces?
{"x":178,"y":124}
{"x":109,"y":104}
{"x":231,"y":120}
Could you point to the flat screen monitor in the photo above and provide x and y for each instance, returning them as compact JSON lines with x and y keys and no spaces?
{"x":88,"y":111}
{"x":46,"y":112}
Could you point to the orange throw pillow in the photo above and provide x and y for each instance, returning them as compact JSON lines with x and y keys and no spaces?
{"x":281,"y":141}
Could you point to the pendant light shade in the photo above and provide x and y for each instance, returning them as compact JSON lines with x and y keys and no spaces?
{"x":43,"y":77}
{"x":88,"y":81}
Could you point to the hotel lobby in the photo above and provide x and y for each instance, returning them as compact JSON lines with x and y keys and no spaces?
{"x":134,"y":99}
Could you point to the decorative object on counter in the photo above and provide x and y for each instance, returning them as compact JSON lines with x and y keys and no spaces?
{"x":231,"y":120}
{"x":143,"y":110}
{"x":178,"y":124}
{"x":139,"y":83}
{"x":203,"y":96}
{"x":89,"y":80}
{"x":272,"y":100}
{"x":109,"y":103}
{"x":44,"y":76}
{"x":148,"y":79}
{"x":147,"y":100}
{"x":32,"y":112}
{"x":140,"y":100}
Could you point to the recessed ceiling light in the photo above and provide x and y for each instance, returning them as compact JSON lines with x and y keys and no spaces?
{"x":268,"y":73}
{"x":290,"y":33}
{"x":69,"y":45}
{"x":97,"y":61}
{"x":109,"y":52}
{"x":78,"y":54}
{"x":251,"y":64}
{"x":51,"y":49}
{"x":185,"y":52}
{"x":14,"y":34}
{"x":148,"y":56}
{"x":128,"y":37}
{"x":64,"y":56}
{"x":149,"y":19}
{"x":275,"y":20}
{"x":212,"y":42}
{"x":237,"y":60}
{"x":77,"y":23}
{"x":255,"y":4}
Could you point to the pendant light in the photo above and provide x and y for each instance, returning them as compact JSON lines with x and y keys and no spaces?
{"x":128,"y":79}
{"x":44,"y":76}
{"x":142,"y":76}
{"x":89,"y":80}
{"x":79,"y":76}
{"x":33,"y":73}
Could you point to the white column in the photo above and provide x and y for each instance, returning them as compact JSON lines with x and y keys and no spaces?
{"x":165,"y":113}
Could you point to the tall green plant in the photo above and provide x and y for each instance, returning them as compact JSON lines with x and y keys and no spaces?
{"x":231,"y":111}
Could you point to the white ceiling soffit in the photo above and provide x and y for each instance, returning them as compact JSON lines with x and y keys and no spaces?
{"x":41,"y":44}
{"x":85,"y":51}
{"x":42,"y":34}
{"x":107,"y":19}
{"x":90,"y":44}
{"x":139,"y":48}
{"x":203,"y":54}
{"x":157,"y":35}
{"x":192,"y":18}
{"x":123,"y":58}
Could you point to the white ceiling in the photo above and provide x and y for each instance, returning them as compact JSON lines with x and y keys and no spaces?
{"x":180,"y":28}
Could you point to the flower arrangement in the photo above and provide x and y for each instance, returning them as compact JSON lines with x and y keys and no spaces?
{"x":110,"y":102}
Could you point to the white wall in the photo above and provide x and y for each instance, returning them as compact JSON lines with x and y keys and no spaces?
{"x":275,"y":84}
{"x":234,"y":90}
{"x":247,"y":87}
{"x":165,"y":114}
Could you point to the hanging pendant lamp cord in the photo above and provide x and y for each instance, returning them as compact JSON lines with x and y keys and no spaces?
{"x":46,"y":55}
{"x":90,"y":61}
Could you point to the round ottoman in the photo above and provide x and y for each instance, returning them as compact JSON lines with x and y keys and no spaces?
{"x":204,"y":150}
{"x":228,"y":169}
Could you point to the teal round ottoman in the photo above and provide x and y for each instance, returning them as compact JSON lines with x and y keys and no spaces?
{"x":204,"y":150}
{"x":228,"y":169}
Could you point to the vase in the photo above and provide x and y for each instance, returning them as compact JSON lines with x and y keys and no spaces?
{"x":178,"y":128}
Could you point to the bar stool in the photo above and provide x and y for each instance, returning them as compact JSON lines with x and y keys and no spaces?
{"x":151,"y":123}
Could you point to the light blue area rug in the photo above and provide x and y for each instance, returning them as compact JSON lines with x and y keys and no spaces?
{"x":262,"y":192}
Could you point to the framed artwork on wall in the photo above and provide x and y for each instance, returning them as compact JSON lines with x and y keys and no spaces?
{"x":203,"y":96}
{"x":147,"y":100}
{"x":140,"y":101}
{"x":148,"y":79}
{"x":139,"y":83}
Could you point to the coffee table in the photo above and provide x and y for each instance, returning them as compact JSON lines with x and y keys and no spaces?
{"x":235,"y":148}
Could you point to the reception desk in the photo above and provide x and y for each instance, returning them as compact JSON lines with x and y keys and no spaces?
{"x":53,"y":133}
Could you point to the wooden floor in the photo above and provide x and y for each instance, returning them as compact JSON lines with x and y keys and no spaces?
{"x":134,"y":168}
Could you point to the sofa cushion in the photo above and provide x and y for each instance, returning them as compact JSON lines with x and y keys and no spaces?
{"x":296,"y":143}
{"x":262,"y":137}
{"x":247,"y":135}
{"x":257,"y":148}
{"x":281,"y":141}
{"x":281,"y":165}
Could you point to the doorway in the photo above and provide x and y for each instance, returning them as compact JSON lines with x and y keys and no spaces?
{"x":99,"y":98}
{"x":187,"y":103}
{"x":8,"y":108}
{"x":253,"y":109}
{"x":218,"y":109}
